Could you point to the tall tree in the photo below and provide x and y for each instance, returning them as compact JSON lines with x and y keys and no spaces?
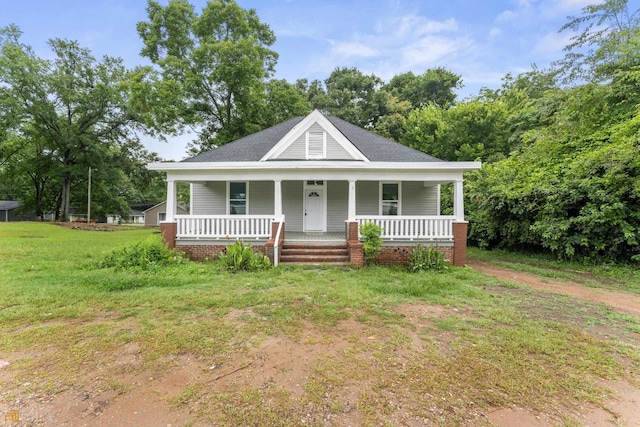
{"x":73,"y":104}
{"x":608,"y":41}
{"x":283,"y":101}
{"x":352,"y":96}
{"x":435,"y":86}
{"x":217,"y":62}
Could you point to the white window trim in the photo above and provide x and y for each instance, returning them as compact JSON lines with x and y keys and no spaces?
{"x":324,"y":146}
{"x":158,"y":217}
{"x":306,"y":188}
{"x":399,"y":183}
{"x":228,"y":197}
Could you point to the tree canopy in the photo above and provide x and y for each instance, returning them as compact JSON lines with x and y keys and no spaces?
{"x":216,"y":64}
{"x":61,"y":116}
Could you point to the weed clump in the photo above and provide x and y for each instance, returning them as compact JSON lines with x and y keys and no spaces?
{"x":241,"y":257}
{"x":423,"y":259}
{"x":142,"y":256}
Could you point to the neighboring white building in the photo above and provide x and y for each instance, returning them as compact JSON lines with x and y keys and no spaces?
{"x":136,"y":216}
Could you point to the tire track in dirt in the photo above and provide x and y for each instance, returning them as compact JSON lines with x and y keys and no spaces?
{"x":622,"y":301}
{"x":623,"y":409}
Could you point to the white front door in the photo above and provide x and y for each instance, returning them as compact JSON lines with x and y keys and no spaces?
{"x":314,"y":209}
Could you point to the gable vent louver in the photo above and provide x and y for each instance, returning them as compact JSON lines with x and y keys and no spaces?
{"x":315,"y":145}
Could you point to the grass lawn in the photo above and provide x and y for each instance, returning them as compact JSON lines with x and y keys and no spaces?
{"x":296,"y":346}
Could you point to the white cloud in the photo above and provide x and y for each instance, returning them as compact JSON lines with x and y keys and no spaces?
{"x":495,"y":32}
{"x":507,"y":16}
{"x":394,"y":45}
{"x":430,"y":51}
{"x":419,"y":25}
{"x":573,"y":4}
{"x":553,"y":43}
{"x":354,"y":49}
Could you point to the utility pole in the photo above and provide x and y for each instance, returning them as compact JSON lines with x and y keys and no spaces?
{"x":89,"y":198}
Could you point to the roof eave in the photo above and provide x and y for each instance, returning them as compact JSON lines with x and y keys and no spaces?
{"x":307,"y":164}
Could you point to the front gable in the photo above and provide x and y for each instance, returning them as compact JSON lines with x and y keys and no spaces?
{"x":314,"y":138}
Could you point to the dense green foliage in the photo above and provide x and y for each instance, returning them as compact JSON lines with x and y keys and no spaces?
{"x":571,"y":185}
{"x":141,"y":256}
{"x":371,"y":240}
{"x":241,"y":257}
{"x":61,"y":116}
{"x":561,"y":162}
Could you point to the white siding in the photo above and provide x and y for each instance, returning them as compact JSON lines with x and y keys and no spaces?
{"x":292,"y":205}
{"x":418,"y":199}
{"x":261,"y":198}
{"x":296,"y":151}
{"x":337,"y":205}
{"x":209,"y":198}
{"x":367,"y":198}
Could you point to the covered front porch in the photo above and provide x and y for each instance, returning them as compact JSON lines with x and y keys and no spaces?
{"x":276,"y":213}
{"x":260,"y":228}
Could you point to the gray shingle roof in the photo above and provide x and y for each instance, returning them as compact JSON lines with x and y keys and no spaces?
{"x":377,"y":148}
{"x":6,"y":205}
{"x":253,"y":147}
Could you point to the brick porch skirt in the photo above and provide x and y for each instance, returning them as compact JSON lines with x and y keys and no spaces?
{"x":399,"y":255}
{"x":211,"y":252}
{"x":389,"y":255}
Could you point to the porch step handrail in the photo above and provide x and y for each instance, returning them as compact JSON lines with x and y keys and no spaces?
{"x":276,"y":244}
{"x":224,"y":226}
{"x":419,"y":227}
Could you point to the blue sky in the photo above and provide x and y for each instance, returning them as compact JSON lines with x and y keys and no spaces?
{"x":481,"y":40}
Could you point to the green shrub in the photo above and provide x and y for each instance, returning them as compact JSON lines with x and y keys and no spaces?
{"x":422,"y":259}
{"x":240,"y":257}
{"x":371,"y":240}
{"x":142,"y":256}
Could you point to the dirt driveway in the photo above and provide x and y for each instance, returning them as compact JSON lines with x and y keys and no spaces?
{"x":622,"y":301}
{"x":624,"y":410}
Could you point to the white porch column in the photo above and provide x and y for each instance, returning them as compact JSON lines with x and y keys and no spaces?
{"x":277,"y":199}
{"x":458,"y":201}
{"x":351,"y":213}
{"x":171,"y":201}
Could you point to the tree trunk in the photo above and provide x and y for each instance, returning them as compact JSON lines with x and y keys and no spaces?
{"x":66,"y":195}
{"x":39,"y":187}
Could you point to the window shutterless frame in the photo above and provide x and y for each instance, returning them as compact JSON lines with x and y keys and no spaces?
{"x":390,"y":198}
{"x":237,"y":197}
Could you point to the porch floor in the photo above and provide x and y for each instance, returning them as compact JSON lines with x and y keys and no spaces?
{"x":313,"y":237}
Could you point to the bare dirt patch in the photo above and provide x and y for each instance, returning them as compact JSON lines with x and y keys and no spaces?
{"x":93,"y":226}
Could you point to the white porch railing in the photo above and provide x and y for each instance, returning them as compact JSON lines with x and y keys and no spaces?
{"x":412,"y":227}
{"x":224,"y":226}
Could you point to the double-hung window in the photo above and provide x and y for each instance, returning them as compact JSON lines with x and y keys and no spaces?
{"x":390,"y":198}
{"x":238,"y":198}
